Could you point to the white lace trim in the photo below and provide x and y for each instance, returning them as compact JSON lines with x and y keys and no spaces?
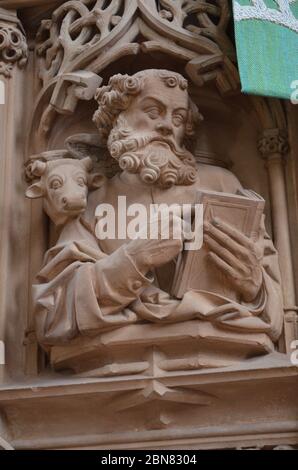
{"x":259,"y":11}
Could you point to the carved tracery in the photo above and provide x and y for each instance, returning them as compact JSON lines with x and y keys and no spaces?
{"x":80,"y":27}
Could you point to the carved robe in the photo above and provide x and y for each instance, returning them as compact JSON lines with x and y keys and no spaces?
{"x":87,"y":286}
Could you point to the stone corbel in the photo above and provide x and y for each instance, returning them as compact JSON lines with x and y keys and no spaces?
{"x":274,"y":146}
{"x":13,"y":45}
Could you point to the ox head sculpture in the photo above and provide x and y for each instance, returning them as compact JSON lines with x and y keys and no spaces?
{"x":63,"y":184}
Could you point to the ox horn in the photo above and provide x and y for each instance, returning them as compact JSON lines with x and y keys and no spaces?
{"x":38,"y":168}
{"x":88,"y":164}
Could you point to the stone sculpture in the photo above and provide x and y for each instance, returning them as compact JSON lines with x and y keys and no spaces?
{"x":88,"y":287}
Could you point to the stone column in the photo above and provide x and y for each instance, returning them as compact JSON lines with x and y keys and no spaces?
{"x":274,"y":147}
{"x":13,"y":57}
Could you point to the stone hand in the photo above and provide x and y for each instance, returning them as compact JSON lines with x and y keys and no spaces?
{"x":149,"y":253}
{"x":237,"y":256}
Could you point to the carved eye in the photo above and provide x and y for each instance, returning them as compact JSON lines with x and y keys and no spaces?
{"x":56,"y":184}
{"x":81,"y":181}
{"x":178,"y":120}
{"x":153,"y":112}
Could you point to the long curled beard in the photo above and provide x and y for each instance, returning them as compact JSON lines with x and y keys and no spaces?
{"x":155,"y":158}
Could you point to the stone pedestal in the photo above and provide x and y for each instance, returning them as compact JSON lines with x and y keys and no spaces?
{"x":156,"y":349}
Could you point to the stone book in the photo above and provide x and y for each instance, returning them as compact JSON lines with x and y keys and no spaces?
{"x":194,"y":270}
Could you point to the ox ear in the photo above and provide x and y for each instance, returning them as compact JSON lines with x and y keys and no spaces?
{"x":96,"y":180}
{"x":35,"y":191}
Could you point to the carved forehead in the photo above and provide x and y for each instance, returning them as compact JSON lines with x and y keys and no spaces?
{"x":64,"y":165}
{"x":169,"y":78}
{"x":168,"y":97}
{"x":168,"y":88}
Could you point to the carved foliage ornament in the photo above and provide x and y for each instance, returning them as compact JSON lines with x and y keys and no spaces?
{"x":273,"y":141}
{"x":13,"y":48}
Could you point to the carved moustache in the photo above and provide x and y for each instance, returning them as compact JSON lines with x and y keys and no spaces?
{"x":128,"y":144}
{"x":156,"y":159}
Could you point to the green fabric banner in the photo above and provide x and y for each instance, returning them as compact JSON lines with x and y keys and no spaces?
{"x":267,"y":46}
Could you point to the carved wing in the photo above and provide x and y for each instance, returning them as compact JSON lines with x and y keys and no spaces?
{"x":89,"y":145}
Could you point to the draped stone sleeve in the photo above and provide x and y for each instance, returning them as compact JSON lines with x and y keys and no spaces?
{"x":81,"y":290}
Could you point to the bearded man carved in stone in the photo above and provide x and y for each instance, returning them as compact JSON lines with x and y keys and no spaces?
{"x":88,"y":286}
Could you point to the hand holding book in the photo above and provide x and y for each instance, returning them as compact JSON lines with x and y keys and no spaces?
{"x":229,"y":263}
{"x":236,"y":255}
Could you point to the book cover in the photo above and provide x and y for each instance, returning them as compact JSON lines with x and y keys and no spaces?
{"x":194,"y":270}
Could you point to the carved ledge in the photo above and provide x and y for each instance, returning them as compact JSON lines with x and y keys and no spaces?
{"x":81,"y":408}
{"x":13,"y":46}
{"x":199,"y":346}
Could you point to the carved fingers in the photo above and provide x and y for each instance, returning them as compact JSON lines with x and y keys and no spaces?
{"x":236,"y":256}
{"x":160,"y":242}
{"x":225,"y":259}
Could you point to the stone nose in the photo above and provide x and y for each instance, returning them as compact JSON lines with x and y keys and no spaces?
{"x":164,"y":128}
{"x":74,"y":201}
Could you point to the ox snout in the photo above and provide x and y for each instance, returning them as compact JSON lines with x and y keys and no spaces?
{"x":74,"y":203}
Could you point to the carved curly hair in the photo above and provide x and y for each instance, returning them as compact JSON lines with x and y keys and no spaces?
{"x":118,"y":94}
